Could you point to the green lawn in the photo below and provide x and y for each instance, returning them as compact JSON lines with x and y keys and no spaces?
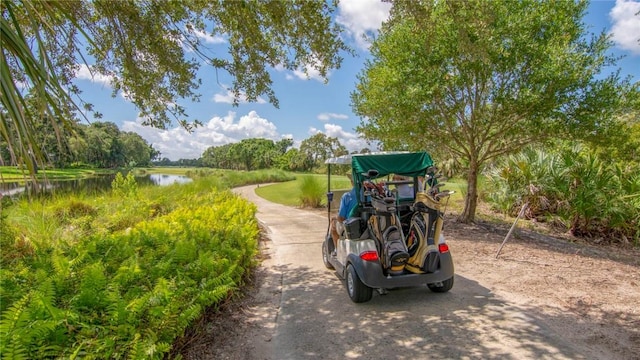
{"x":456,"y":201}
{"x":11,"y":173}
{"x":288,"y":193}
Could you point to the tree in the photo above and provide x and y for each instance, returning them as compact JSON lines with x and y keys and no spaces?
{"x":216,"y":156}
{"x":151,"y":50}
{"x":104,"y":146}
{"x":254,"y":153}
{"x":250,"y":154}
{"x":283,"y":145}
{"x":136,"y":150}
{"x":480,"y":79}
{"x":292,"y":160}
{"x":54,"y":152}
{"x":319,"y":148}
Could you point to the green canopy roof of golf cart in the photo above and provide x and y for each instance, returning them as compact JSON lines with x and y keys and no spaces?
{"x":402,"y":163}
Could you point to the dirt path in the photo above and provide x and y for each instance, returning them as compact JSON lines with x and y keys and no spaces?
{"x":542,"y":298}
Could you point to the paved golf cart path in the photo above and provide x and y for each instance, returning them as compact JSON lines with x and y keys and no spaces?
{"x":304,"y":312}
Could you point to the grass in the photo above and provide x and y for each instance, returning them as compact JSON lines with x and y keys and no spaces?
{"x":456,"y":201}
{"x":13,"y":174}
{"x":288,"y":193}
{"x":169,"y":170}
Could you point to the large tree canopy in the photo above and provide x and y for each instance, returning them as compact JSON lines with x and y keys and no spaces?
{"x":478,"y":79}
{"x":152,"y":49}
{"x":318,"y":148}
{"x":247,"y":154}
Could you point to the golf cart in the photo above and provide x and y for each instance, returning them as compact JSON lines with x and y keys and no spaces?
{"x":391,"y":239}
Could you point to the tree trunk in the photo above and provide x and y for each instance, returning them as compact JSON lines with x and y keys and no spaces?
{"x":471,"y":200}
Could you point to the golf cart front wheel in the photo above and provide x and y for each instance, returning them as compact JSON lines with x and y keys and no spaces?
{"x":358,"y":291}
{"x":325,"y":255}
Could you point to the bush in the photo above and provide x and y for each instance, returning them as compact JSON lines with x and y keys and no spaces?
{"x":311,"y":192}
{"x":123,"y":293}
{"x":124,"y":186}
{"x":595,"y":200}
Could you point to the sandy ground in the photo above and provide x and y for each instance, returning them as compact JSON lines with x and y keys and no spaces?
{"x":590,"y":295}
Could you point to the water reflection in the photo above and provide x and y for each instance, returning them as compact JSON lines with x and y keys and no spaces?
{"x":91,"y":185}
{"x":164,"y":179}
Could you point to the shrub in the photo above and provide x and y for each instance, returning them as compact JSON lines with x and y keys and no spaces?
{"x":75,"y":209}
{"x":311,"y":192}
{"x":530,"y":176}
{"x":595,"y":200}
{"x":125,"y":294}
{"x":124,"y":186}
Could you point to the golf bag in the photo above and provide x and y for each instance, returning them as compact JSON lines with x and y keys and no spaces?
{"x":392,"y":249}
{"x":425,"y":227}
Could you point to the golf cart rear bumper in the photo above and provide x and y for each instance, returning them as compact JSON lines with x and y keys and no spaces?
{"x":370,"y":273}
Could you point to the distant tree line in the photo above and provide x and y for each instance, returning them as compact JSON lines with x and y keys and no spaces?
{"x":104,"y":145}
{"x":181,"y":162}
{"x":99,"y":144}
{"x":252,"y":154}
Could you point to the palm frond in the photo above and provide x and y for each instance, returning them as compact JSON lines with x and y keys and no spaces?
{"x":33,"y":73}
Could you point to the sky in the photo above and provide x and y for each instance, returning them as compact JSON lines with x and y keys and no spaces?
{"x":308,"y":105}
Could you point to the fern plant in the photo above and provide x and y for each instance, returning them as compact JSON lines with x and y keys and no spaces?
{"x":125,"y":292}
{"x":27,"y":327}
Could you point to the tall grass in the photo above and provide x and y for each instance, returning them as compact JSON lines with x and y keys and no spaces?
{"x":311,"y":192}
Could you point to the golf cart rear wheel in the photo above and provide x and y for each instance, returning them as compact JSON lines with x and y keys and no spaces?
{"x":358,"y":291}
{"x":442,"y":287}
{"x":325,"y":255}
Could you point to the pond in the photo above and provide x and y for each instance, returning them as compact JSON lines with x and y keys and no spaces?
{"x":93,"y":184}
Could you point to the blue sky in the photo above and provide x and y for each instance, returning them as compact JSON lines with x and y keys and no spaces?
{"x":308,"y":105}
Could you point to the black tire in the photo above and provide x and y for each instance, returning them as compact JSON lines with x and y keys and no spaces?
{"x":358,"y":292}
{"x":325,"y":255}
{"x":442,"y":287}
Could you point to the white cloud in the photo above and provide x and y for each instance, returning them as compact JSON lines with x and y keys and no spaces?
{"x":227,"y":98}
{"x":350,"y":140}
{"x":249,"y":126}
{"x":174,"y":144}
{"x":626,"y":25}
{"x":362,"y":18}
{"x":281,"y":68}
{"x":324,"y":117}
{"x":208,"y":38}
{"x":85,"y":73}
{"x":177,"y":143}
{"x":311,"y":74}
